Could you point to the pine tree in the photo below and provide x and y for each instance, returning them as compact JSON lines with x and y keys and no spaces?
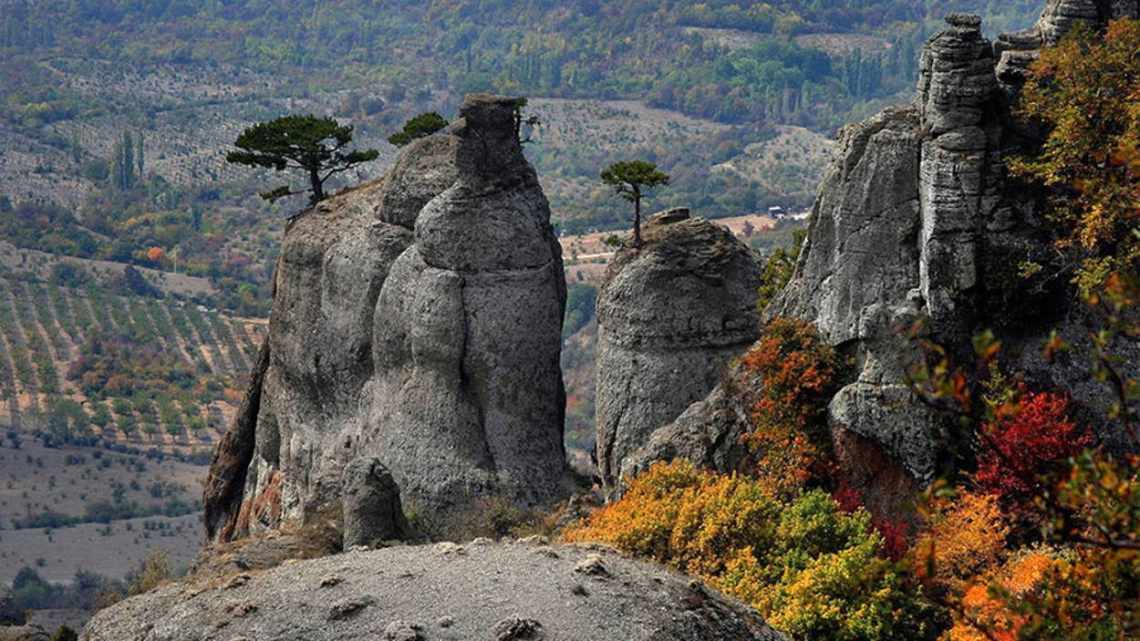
{"x":141,"y":156}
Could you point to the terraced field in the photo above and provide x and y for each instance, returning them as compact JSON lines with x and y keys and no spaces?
{"x":141,"y":371}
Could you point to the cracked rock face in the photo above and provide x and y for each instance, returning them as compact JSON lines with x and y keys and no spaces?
{"x":494,"y":591}
{"x":917,"y":221}
{"x":415,"y":319}
{"x":671,"y":316}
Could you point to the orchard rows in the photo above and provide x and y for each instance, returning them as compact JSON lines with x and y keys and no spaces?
{"x":45,"y":329}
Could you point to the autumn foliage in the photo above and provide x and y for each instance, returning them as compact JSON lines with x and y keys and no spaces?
{"x":1086,"y":93}
{"x":797,"y":371}
{"x":813,"y":570}
{"x":1024,"y":440}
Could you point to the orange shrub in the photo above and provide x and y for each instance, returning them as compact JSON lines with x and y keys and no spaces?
{"x":966,"y":538}
{"x":798,"y":372}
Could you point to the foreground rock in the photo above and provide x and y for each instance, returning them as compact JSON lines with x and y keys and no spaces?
{"x":417,"y":320}
{"x":489,"y":592}
{"x":671,"y":315}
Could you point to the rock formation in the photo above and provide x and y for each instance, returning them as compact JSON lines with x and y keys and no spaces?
{"x":671,"y":315}
{"x":916,"y":220}
{"x":370,"y":501}
{"x":473,"y":592}
{"x":24,"y":633}
{"x":467,"y":395}
{"x":415,"y":319}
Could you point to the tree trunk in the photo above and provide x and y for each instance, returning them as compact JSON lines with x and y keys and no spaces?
{"x":637,"y":219}
{"x":318,"y":187}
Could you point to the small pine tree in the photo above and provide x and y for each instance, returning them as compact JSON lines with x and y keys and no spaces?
{"x":421,"y":126}
{"x":630,"y":179}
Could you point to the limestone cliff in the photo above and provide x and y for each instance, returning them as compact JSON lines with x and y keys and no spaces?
{"x":671,"y":315}
{"x":415,"y":319}
{"x":917,"y":224}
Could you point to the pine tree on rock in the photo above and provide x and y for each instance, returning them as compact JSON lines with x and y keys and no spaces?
{"x":314,"y":145}
{"x":630,"y":178}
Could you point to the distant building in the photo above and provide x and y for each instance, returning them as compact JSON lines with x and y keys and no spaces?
{"x":776,"y":212}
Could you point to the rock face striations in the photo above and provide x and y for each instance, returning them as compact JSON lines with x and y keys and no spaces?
{"x":671,"y":315}
{"x":916,"y":225}
{"x":917,"y":220}
{"x":417,"y":320}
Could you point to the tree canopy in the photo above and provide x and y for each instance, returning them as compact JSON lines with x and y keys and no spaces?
{"x":421,"y":126}
{"x":1086,"y":93}
{"x":630,"y":179}
{"x":311,"y":144}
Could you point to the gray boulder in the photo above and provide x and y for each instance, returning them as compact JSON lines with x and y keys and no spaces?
{"x":371,"y":505}
{"x":671,"y":315}
{"x":472,"y":592}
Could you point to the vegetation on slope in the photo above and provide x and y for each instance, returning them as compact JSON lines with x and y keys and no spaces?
{"x":1037,"y":536}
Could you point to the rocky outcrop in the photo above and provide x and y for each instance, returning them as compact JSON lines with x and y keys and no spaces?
{"x":370,"y":502}
{"x":24,"y":633}
{"x":470,"y":592}
{"x":916,"y":234}
{"x":1016,"y":51}
{"x":918,"y":226}
{"x":671,"y":315}
{"x":415,"y":319}
{"x":467,"y":396}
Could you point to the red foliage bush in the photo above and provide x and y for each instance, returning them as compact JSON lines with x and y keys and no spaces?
{"x":1019,"y":445}
{"x":896,"y":538}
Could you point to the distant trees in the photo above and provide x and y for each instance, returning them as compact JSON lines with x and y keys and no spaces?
{"x":630,"y":179}
{"x":123,"y":163}
{"x":421,"y":126}
{"x":314,"y":145}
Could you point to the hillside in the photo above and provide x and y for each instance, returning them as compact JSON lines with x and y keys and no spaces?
{"x":91,"y":365}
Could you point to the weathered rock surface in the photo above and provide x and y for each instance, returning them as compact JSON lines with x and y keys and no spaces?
{"x":415,"y":319}
{"x":23,"y":633}
{"x":917,"y":222}
{"x":471,"y":592}
{"x":709,"y":432}
{"x":370,"y":502}
{"x":467,"y":397}
{"x":671,"y":315}
{"x":917,"y":227}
